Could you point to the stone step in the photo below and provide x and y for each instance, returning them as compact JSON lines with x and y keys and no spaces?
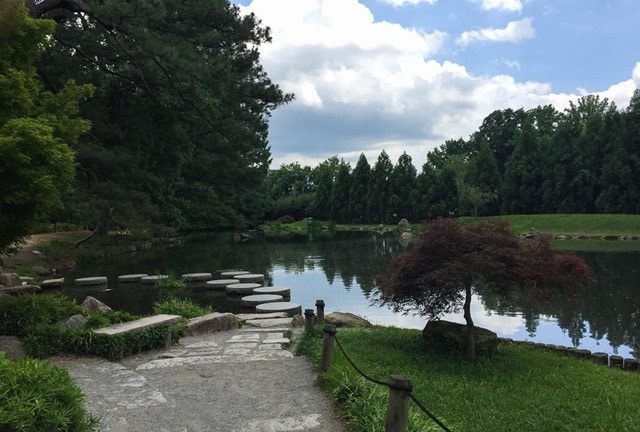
{"x":197,"y":277}
{"x":91,"y":281}
{"x":232,"y":273}
{"x":130,"y":278}
{"x":245,"y":317}
{"x":250,"y":277}
{"x":139,"y":325}
{"x":242,"y":288}
{"x":283,"y":291}
{"x":220,"y":284}
{"x":290,"y":308}
{"x":52,"y":283}
{"x":256,"y":299}
{"x":153,"y":279}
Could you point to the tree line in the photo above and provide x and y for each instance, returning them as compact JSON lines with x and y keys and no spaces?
{"x":585,"y":159}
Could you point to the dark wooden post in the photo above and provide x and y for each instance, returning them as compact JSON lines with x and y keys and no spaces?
{"x":320,"y":311}
{"x":327,"y":348}
{"x":168,"y":341}
{"x":308,"y":320}
{"x":398,"y":408}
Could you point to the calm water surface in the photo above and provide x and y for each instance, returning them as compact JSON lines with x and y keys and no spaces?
{"x":341,"y":270}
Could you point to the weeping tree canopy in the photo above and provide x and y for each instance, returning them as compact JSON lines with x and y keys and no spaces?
{"x":180,"y":113}
{"x":439,"y":274}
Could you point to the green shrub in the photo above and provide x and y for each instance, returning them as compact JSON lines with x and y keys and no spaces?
{"x":183,"y":307}
{"x":19,"y":313}
{"x":37,"y":396}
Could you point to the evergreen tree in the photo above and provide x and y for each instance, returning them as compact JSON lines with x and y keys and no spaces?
{"x":403,"y":190}
{"x":379,"y":192}
{"x":340,"y":194}
{"x":358,"y":191}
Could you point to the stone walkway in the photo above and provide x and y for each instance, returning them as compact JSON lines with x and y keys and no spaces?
{"x":242,"y":380}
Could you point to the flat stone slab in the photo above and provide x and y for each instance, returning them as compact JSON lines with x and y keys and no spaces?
{"x":270,"y":322}
{"x":153,"y":279}
{"x":233,"y":273}
{"x":290,"y":308}
{"x":197,"y":277}
{"x":256,"y":299}
{"x":283,"y":291}
{"x":139,"y":325}
{"x":88,"y":281}
{"x":220,"y":283}
{"x":246,"y":317}
{"x":211,"y":323}
{"x":52,"y":283}
{"x":250,"y":277}
{"x":130,"y":278}
{"x":241,"y":288}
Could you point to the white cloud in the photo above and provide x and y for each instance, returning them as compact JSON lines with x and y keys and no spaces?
{"x":506,"y":5}
{"x":515,"y":31}
{"x":635,"y":76}
{"x":364,"y":85}
{"x":400,"y":3}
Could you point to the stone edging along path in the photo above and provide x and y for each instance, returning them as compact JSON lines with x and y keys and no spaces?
{"x":614,"y":361}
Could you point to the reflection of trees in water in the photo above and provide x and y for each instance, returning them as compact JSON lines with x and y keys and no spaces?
{"x":610,"y":307}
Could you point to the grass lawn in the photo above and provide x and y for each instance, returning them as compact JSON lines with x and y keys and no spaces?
{"x":521,"y":388}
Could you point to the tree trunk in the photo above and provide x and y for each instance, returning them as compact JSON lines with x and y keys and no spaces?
{"x":471,"y":342}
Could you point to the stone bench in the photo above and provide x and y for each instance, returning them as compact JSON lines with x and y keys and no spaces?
{"x":140,"y":325}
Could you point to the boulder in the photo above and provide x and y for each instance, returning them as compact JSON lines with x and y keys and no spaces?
{"x":454,"y":334}
{"x":13,"y":347}
{"x":403,"y":225}
{"x":73,"y":322}
{"x":211,"y":323}
{"x":94,"y":305}
{"x":10,"y":280}
{"x":346,"y":319}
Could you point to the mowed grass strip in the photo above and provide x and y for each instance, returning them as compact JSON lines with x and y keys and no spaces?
{"x":522,"y":388}
{"x":573,"y":224}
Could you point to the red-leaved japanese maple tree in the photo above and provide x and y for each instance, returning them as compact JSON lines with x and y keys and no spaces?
{"x":450,"y":258}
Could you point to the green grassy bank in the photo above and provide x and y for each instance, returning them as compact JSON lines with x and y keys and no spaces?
{"x":521,"y":388}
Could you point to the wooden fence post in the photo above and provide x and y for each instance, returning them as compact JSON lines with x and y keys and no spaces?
{"x":398,"y":408}
{"x":308,"y":320}
{"x":327,"y":347}
{"x":320,"y":311}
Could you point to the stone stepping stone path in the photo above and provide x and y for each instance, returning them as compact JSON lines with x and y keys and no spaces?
{"x":153,"y":279}
{"x":197,"y":277}
{"x":242,"y":288}
{"x":92,"y":281}
{"x":52,"y":283}
{"x":290,"y":308}
{"x":250,"y":277}
{"x":220,"y":284}
{"x":131,"y":278}
{"x":283,"y":291}
{"x":256,"y":299}
{"x":233,"y":273}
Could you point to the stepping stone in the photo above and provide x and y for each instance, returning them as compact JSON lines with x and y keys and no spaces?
{"x":131,"y":277}
{"x":254,"y":316}
{"x":250,"y":277}
{"x":98,"y":280}
{"x":52,"y":283}
{"x":271,"y":322}
{"x":197,"y":277}
{"x":241,"y":288}
{"x":256,"y":299}
{"x":283,"y":291}
{"x":290,"y":308}
{"x":233,"y":273}
{"x":139,"y":325}
{"x":220,"y":283}
{"x":153,"y":279}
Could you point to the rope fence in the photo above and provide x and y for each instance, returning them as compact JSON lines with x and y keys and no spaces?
{"x":400,"y":387}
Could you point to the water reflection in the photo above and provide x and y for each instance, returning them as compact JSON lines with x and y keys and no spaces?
{"x":341,"y":269}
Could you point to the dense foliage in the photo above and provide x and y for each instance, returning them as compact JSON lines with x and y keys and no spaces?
{"x":450,"y":259}
{"x":180,"y":113}
{"x":37,"y":127}
{"x":585,"y":159}
{"x":37,"y":396}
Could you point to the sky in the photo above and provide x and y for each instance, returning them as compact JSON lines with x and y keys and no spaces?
{"x":407,"y":75}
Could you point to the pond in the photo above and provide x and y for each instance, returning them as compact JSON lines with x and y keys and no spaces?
{"x":341,"y":269}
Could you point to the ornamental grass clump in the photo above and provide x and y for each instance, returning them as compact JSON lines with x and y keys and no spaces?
{"x":37,"y":396}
